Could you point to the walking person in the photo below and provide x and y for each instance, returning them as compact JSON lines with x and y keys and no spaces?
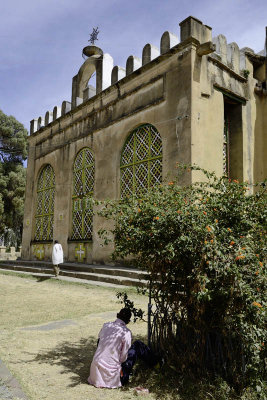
{"x":57,"y":257}
{"x":115,"y":356}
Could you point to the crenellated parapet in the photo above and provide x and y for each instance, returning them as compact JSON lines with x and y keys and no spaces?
{"x":117,"y":74}
{"x":40,"y":123}
{"x":66,"y":107}
{"x":167,"y":41}
{"x":48,"y":117}
{"x":100,"y":65}
{"x":132,"y":64}
{"x":56,"y":112}
{"x":232,"y":56}
{"x":149,"y":53}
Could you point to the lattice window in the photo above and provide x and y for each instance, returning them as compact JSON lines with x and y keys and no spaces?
{"x":83,"y":188}
{"x":141,"y":161}
{"x":44,"y":217}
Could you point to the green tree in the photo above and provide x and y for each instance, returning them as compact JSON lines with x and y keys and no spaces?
{"x":13,"y":151}
{"x":204,"y":247}
{"x":13,"y":139}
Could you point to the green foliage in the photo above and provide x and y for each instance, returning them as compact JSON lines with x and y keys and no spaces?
{"x":13,"y":139}
{"x":204,"y":247}
{"x":13,"y":150}
{"x":167,"y":385}
{"x":137,"y":314}
{"x":245,"y":73}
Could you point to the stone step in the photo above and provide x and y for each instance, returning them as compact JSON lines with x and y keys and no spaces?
{"x":101,"y":269}
{"x":116,"y":275}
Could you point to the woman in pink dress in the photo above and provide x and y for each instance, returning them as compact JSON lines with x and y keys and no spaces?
{"x":113,"y":345}
{"x":115,"y":356}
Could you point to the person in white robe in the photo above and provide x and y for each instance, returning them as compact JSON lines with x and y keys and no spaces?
{"x":57,"y":257}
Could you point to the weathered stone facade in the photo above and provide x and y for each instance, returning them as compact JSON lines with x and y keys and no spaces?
{"x":199,"y":101}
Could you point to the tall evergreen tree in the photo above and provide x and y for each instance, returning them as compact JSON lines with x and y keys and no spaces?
{"x":13,"y":151}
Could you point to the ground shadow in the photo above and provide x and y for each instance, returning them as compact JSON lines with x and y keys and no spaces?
{"x":42,"y":278}
{"x":75,"y":357}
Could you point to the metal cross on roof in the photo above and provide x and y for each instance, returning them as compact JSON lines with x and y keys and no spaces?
{"x":93,"y":35}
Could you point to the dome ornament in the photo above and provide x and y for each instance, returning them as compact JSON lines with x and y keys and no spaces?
{"x":92,"y":50}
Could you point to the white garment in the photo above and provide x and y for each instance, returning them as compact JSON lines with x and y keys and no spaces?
{"x":114,"y":342}
{"x":57,"y":254}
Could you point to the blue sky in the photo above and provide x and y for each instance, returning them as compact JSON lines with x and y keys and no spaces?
{"x":41,"y":41}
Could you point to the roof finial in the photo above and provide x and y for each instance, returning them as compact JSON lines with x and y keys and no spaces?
{"x":93,"y":36}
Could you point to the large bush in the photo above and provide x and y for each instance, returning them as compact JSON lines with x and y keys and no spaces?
{"x":204,"y":247}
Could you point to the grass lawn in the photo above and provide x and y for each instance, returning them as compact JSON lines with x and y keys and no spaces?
{"x":52,"y":361}
{"x":48,"y":335}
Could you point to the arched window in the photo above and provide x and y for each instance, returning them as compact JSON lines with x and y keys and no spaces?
{"x":141,"y":161}
{"x":44,"y":217}
{"x":83,"y":189}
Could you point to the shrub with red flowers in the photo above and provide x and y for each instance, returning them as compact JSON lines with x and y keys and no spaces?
{"x":204,"y":248}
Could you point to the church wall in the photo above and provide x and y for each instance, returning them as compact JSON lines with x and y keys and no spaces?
{"x":28,"y":205}
{"x":260,"y":149}
{"x":182,"y":94}
{"x":103,"y":125}
{"x":207,"y":119}
{"x":212,"y":81}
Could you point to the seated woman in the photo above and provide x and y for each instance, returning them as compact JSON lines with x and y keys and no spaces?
{"x":115,"y":356}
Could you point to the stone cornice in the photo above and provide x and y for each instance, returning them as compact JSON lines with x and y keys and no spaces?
{"x":224,"y":67}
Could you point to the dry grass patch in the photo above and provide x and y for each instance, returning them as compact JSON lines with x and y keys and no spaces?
{"x":54,"y":364}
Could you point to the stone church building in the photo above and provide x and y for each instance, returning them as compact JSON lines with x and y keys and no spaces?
{"x":198,"y":100}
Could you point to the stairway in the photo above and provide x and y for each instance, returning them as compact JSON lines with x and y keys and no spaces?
{"x":97,"y":273}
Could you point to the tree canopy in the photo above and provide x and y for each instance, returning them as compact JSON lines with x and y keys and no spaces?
{"x":13,"y":139}
{"x":13,"y":151}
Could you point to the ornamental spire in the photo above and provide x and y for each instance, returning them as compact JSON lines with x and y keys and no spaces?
{"x":93,"y":36}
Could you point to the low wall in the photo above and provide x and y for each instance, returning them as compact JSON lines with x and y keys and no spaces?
{"x":12,"y":255}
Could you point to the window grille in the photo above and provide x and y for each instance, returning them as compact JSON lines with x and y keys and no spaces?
{"x":44,"y":217}
{"x":83,"y":189}
{"x":141,"y":161}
